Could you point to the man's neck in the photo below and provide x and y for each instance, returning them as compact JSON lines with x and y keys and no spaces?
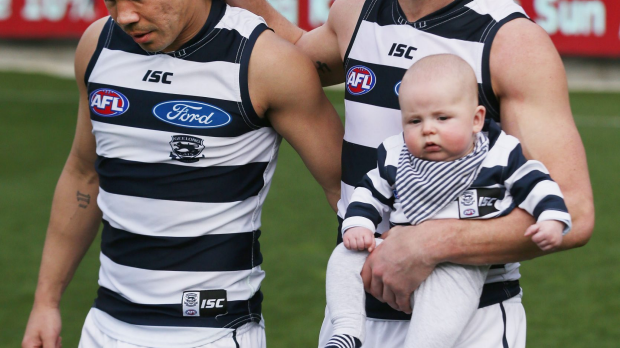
{"x":416,"y":9}
{"x":197,"y":17}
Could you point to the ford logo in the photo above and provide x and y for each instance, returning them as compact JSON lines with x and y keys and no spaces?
{"x":191,"y":114}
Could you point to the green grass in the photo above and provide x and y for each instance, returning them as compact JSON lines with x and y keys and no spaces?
{"x":571,"y":298}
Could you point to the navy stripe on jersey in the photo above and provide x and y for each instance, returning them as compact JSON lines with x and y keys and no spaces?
{"x":247,"y":108}
{"x":550,"y":203}
{"x":454,"y":21}
{"x":217,"y":184}
{"x":239,"y":312}
{"x":103,"y":39}
{"x":492,"y":293}
{"x":356,"y":161}
{"x":208,"y":253}
{"x":382,"y":94}
{"x":143,"y":117}
{"x":489,"y":176}
{"x":490,"y":100}
{"x":364,"y":210}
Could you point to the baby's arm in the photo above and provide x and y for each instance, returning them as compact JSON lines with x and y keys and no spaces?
{"x":373,"y":196}
{"x":546,"y":234}
{"x":534,"y":191}
{"x":359,"y":238}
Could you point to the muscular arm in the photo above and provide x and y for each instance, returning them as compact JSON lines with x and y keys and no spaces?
{"x":325,"y":45}
{"x":285,"y":88}
{"x":74,"y":219}
{"x":529,"y":80}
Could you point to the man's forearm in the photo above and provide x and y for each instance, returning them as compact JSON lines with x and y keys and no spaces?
{"x":74,"y":223}
{"x":480,"y":242}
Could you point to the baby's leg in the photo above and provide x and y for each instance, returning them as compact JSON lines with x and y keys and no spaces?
{"x":443,"y":305}
{"x":345,"y":292}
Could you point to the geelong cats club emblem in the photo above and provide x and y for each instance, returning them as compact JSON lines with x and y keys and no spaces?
{"x":186,"y":148}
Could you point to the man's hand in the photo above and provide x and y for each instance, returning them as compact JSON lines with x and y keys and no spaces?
{"x":397,"y":267}
{"x":43,"y":329}
{"x":359,"y":238}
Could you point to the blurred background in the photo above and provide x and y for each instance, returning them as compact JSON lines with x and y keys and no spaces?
{"x":572,"y":298}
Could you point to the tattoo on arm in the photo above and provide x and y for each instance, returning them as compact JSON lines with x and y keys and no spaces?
{"x":83,"y":200}
{"x":322,"y":67}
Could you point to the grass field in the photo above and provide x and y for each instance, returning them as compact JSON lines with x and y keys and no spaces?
{"x":572,"y":299}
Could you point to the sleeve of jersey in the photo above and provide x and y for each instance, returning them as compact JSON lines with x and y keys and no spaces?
{"x":534,"y":191}
{"x":372,"y":197}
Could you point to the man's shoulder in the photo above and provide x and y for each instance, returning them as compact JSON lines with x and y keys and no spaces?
{"x":88,"y":45}
{"x":343,"y":16}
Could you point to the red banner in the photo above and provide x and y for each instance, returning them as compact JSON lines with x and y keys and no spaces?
{"x":577,"y":27}
{"x":48,"y":18}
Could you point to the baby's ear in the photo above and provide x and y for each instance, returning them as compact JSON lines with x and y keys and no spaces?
{"x":479,"y":114}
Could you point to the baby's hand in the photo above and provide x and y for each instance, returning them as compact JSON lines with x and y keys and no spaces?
{"x":547,"y":234}
{"x":359,"y":238}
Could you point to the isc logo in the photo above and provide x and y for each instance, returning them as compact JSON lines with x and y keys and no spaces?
{"x":401,"y":50}
{"x":156,"y":76}
{"x":213,"y":303}
{"x":360,"y":80}
{"x":108,"y":102}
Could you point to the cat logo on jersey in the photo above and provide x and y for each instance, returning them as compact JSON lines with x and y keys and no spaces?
{"x":186,"y":149}
{"x":108,"y":102}
{"x":360,"y":80}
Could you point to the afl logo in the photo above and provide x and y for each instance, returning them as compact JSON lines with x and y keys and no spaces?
{"x":397,"y":88}
{"x":191,"y":312}
{"x":360,"y":80}
{"x":469,"y":212}
{"x":108,"y":102}
{"x":191,"y":114}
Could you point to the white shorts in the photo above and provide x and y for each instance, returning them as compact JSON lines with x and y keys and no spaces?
{"x":250,"y":335}
{"x":499,"y":325}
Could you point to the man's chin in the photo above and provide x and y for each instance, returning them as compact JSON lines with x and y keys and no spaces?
{"x":151,"y":47}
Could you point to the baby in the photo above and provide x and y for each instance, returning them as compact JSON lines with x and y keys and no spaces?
{"x":434,"y":170}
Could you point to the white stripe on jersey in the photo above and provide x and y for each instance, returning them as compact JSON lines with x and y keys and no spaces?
{"x":361,"y":118}
{"x":162,"y":287}
{"x":469,"y":51}
{"x":151,"y":146}
{"x":363,"y":195}
{"x":149,"y":217}
{"x":118,"y":68}
{"x":496,"y":9}
{"x":240,"y":20}
{"x":500,"y":158}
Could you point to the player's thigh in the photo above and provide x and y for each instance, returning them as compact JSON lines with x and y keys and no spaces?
{"x":379,"y":333}
{"x":499,"y":325}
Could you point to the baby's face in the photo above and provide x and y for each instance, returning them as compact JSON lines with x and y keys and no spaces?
{"x":439,"y":124}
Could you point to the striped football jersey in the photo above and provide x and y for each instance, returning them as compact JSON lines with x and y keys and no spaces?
{"x":184,"y":166}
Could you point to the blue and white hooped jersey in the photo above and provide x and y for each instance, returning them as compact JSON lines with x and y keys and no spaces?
{"x":384,"y":45}
{"x":184,"y":164}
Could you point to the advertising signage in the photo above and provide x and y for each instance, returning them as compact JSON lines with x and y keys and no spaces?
{"x":577,"y":27}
